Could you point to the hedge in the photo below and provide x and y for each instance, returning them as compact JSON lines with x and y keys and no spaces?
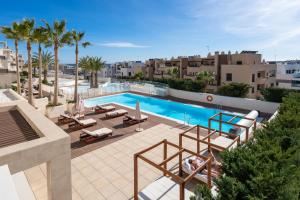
{"x":276,"y":94}
{"x":234,"y":90}
{"x":268,"y":166}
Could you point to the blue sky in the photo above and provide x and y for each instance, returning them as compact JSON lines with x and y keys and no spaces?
{"x":142,"y":29}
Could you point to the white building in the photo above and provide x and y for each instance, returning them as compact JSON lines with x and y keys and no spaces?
{"x":288,"y":74}
{"x":129,"y":68}
{"x":8,"y":59}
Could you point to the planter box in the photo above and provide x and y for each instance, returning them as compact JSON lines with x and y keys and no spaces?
{"x":55,"y":111}
{"x":70,"y":107}
{"x":41,"y":104}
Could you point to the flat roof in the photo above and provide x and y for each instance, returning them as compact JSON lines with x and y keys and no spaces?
{"x":14,"y":128}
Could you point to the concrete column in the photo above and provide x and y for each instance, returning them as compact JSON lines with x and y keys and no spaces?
{"x":59,"y":178}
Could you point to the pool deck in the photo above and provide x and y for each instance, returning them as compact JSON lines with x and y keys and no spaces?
{"x":115,"y":124}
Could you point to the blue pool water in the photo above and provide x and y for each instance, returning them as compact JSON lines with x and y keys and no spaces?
{"x":174,"y":110}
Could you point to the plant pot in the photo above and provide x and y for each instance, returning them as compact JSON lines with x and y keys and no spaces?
{"x":55,"y":111}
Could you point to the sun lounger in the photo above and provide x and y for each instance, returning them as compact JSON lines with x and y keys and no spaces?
{"x":89,"y":136}
{"x":131,"y":120}
{"x":116,"y":113}
{"x":68,"y":118}
{"x":103,"y":109}
{"x":84,"y":123}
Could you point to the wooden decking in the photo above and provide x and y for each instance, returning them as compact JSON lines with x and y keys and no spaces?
{"x":14,"y":128}
{"x":115,"y":124}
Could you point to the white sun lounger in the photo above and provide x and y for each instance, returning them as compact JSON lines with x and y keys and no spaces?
{"x":78,"y":124}
{"x":116,"y":113}
{"x":96,"y":134}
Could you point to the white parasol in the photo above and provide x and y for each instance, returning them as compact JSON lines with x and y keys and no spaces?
{"x":138,"y":116}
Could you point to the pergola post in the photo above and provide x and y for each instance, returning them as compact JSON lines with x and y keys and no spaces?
{"x":165,"y":153}
{"x":220,"y":124}
{"x":181,"y":191}
{"x":209,"y":172}
{"x":180,"y":155}
{"x":135,"y":167}
{"x":198,"y":138}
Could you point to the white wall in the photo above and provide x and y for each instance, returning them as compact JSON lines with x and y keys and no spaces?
{"x":242,"y":103}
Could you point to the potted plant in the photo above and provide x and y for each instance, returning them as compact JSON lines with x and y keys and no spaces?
{"x":70,"y":106}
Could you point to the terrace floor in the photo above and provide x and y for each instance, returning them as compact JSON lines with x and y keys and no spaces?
{"x":107,"y":172}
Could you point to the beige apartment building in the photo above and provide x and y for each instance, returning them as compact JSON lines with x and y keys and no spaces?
{"x":8,"y":59}
{"x":244,"y":67}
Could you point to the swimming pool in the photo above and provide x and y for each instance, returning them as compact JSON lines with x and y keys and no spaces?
{"x":188,"y":113}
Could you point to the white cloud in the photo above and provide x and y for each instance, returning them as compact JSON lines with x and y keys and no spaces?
{"x":122,"y":45}
{"x":269,"y":22}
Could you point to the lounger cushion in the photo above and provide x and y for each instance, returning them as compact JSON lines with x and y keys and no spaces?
{"x":223,"y":142}
{"x":143,"y":117}
{"x":186,"y":167}
{"x":117,"y":112}
{"x":99,"y":132}
{"x":87,"y":121}
{"x":107,"y":107}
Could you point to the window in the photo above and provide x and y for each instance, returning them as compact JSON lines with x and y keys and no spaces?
{"x":272,"y":84}
{"x":239,"y":62}
{"x":258,"y":87}
{"x":277,"y":83}
{"x":253,"y":78}
{"x":252,"y":89}
{"x":258,"y":75}
{"x":228,"y":77}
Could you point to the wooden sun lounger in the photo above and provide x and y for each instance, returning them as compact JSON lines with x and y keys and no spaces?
{"x":84,"y":123}
{"x":131,"y":120}
{"x":89,"y":136}
{"x":116,"y":113}
{"x":103,"y":109}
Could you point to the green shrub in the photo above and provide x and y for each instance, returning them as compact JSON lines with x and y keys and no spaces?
{"x":268,"y":166}
{"x":234,"y":90}
{"x":24,"y":73}
{"x":276,"y":94}
{"x":53,"y":105}
{"x":13,"y":87}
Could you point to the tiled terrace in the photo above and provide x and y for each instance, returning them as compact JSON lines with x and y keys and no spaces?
{"x":107,"y":171}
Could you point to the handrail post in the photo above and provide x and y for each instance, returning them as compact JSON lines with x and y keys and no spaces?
{"x":220,"y":125}
{"x":208,"y":139}
{"x":198,"y":138}
{"x":247,"y":134}
{"x":180,"y":155}
{"x":254,"y":125}
{"x":135,"y":177}
{"x":165,"y":154}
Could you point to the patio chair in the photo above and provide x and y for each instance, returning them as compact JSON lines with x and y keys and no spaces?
{"x":116,"y":113}
{"x":89,"y":136}
{"x":103,"y":109}
{"x":84,"y":123}
{"x":131,"y":120}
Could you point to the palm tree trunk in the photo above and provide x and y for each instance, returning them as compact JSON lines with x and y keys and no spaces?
{"x":55,"y":99}
{"x":45,"y":75}
{"x":92,"y":79}
{"x":76,"y":74}
{"x":96,"y":79}
{"x":17,"y":65}
{"x":40,"y":71}
{"x":30,"y":97}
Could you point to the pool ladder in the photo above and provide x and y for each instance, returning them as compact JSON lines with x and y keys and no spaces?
{"x":186,"y":119}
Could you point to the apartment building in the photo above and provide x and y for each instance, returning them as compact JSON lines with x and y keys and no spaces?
{"x":247,"y":67}
{"x":244,"y":67}
{"x":8,"y":59}
{"x":128,"y":68}
{"x":288,"y":74}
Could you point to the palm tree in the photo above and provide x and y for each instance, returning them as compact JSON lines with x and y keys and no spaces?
{"x":57,"y":38}
{"x":40,"y":37}
{"x":77,"y":37}
{"x":84,"y":63}
{"x":47,"y":60}
{"x":93,"y":65}
{"x":27,"y":30}
{"x":13,"y":33}
{"x":206,"y":77}
{"x":97,"y":65}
